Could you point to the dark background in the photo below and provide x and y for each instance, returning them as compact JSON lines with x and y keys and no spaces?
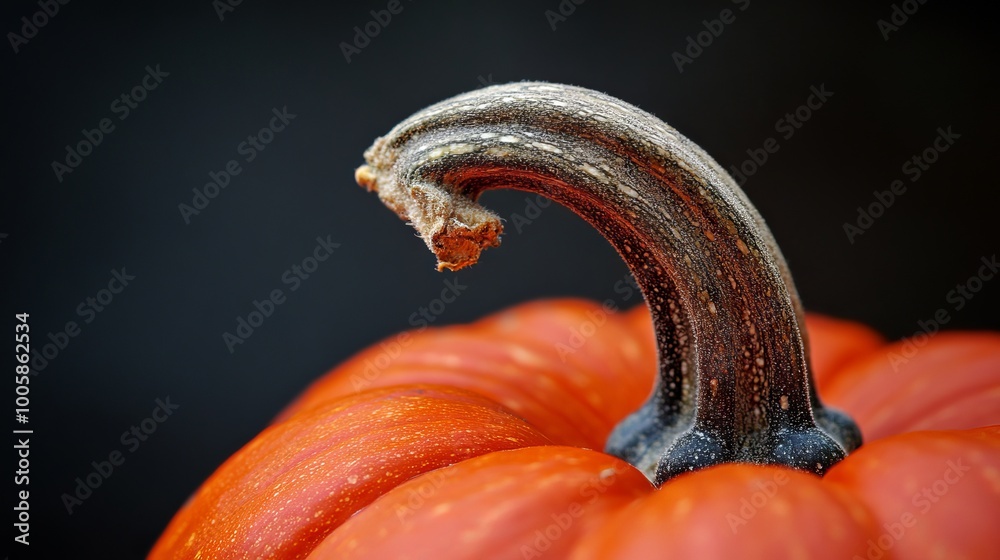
{"x":162,"y":336}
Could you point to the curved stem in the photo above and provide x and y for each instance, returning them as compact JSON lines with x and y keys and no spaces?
{"x":734,"y":381}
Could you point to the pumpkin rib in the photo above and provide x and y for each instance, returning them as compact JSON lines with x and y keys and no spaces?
{"x":560,"y":377}
{"x":883,"y":405}
{"x":477,"y":359}
{"x":835,"y":343}
{"x":735,"y":511}
{"x":484,"y":380}
{"x":522,"y":324}
{"x":971,"y":411}
{"x":606,"y":375}
{"x":551,"y":496}
{"x":935,"y":493}
{"x":299,"y":479}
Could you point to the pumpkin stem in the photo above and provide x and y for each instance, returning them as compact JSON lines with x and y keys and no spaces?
{"x":734,"y":381}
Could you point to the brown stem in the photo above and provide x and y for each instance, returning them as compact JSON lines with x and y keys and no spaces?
{"x":734,"y":381}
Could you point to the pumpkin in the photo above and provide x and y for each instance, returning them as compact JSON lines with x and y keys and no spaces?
{"x":483,"y":440}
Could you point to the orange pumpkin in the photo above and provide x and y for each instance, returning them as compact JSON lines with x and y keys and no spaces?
{"x":480,"y":441}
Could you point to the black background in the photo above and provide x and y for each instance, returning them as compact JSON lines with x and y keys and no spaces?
{"x":162,"y":336}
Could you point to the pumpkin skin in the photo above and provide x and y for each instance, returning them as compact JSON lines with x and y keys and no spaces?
{"x":524,"y":359}
{"x":301,"y":478}
{"x":283,"y":495}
